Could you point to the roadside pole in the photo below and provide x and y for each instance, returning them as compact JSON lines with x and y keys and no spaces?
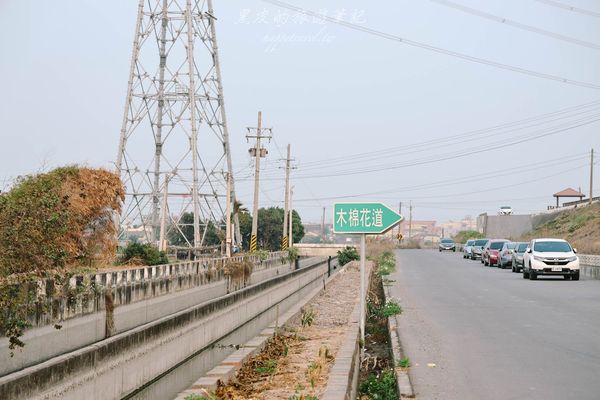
{"x":362,"y":288}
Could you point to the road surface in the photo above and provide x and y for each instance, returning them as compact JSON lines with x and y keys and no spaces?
{"x":493,"y":335}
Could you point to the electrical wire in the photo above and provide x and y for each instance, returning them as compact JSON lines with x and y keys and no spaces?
{"x":435,"y":49}
{"x":516,"y":24}
{"x":450,"y":156}
{"x":569,"y":7}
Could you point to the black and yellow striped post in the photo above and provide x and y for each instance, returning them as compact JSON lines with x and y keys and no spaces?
{"x":253,"y":243}
{"x":284,"y":243}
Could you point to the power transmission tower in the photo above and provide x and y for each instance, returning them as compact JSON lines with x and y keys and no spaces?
{"x":257,"y":152}
{"x":174,"y":122}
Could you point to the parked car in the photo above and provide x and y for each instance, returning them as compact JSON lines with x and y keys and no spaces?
{"x":477,"y":248}
{"x":491,"y":252}
{"x":517,"y":256}
{"x":447,"y":244}
{"x":505,"y":210}
{"x":467,"y":248}
{"x":550,"y":257}
{"x":506,"y":254}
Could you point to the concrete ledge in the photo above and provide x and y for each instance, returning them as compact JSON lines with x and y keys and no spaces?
{"x":150,"y":350}
{"x":405,"y":388}
{"x":343,"y":375}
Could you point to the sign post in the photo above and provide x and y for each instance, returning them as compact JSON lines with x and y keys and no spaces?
{"x":363,"y":219}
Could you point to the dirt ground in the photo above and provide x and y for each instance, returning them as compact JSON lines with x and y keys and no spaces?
{"x":295,"y":364}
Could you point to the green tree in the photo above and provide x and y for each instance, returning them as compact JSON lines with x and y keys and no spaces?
{"x":213,"y":236}
{"x":463,"y":236}
{"x":270,"y":227}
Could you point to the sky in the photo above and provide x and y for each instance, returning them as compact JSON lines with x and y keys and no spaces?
{"x":368,"y":118}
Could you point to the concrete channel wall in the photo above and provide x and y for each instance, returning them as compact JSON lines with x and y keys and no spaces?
{"x":150,"y":296}
{"x":117,"y":367}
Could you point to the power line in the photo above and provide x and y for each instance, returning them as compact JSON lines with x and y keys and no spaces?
{"x":516,"y":24}
{"x":440,"y":143}
{"x":450,"y":156}
{"x":569,"y":7}
{"x":435,"y":49}
{"x":471,"y":177}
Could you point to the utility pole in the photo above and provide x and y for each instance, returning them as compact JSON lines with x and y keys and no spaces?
{"x":410,"y":222}
{"x":291,"y":232}
{"x":257,"y":152}
{"x":591,"y":174}
{"x":228,"y":218}
{"x":285,"y":237}
{"x":323,"y":226}
{"x":399,"y":212}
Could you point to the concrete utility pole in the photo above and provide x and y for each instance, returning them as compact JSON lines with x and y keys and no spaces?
{"x":285,"y":237}
{"x":410,"y":222}
{"x":399,"y":212}
{"x":257,"y":152}
{"x":291,"y":232}
{"x":323,"y":226}
{"x":591,"y":174}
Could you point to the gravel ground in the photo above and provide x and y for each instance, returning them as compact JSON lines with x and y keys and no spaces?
{"x":311,"y":349}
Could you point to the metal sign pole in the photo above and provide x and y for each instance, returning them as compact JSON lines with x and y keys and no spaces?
{"x":362,"y":289}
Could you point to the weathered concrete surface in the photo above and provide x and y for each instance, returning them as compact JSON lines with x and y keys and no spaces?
{"x":45,"y":342}
{"x":493,"y":335}
{"x":504,"y":226}
{"x":319,"y":250}
{"x":119,"y":366}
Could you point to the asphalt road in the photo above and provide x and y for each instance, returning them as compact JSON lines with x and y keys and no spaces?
{"x":493,"y":335}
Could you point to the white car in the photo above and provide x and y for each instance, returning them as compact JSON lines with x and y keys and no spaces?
{"x":505,"y":210}
{"x":550,"y":257}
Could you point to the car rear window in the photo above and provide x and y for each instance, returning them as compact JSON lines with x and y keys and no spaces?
{"x":480,"y":242}
{"x":521,"y":247}
{"x":469,"y":242}
{"x":548,"y":247}
{"x":496,"y":245}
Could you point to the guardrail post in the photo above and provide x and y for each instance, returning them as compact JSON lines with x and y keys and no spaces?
{"x":329,"y":266}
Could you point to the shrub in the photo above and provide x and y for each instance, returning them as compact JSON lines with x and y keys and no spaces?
{"x":347,"y":255}
{"x":146,"y":253}
{"x":382,"y":386}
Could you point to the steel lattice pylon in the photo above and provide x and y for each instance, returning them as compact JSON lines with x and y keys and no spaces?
{"x":174,"y":142}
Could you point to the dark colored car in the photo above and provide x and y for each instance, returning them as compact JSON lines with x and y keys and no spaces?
{"x":477,"y":248}
{"x":447,"y":244}
{"x":506,"y":254}
{"x":517,"y":256}
{"x":491,"y":252}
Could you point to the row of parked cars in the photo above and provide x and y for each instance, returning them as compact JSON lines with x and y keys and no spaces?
{"x":535,"y":258}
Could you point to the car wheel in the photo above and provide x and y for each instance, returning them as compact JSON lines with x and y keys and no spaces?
{"x":525,"y":274}
{"x":532,"y":275}
{"x":567,"y":277}
{"x":575,"y":277}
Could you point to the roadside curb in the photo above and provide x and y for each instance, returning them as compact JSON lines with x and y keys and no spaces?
{"x":405,"y":388}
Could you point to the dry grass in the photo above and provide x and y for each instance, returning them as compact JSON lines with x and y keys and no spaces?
{"x":580,"y":226}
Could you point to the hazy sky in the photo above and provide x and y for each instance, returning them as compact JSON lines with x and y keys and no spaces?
{"x":352,"y":104}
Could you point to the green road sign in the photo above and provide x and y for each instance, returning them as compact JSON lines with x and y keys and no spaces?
{"x":363,"y":218}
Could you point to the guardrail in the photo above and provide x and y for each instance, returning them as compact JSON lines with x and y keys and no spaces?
{"x":85,"y":293}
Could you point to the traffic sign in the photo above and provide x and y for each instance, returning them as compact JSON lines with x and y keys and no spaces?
{"x":370,"y":218}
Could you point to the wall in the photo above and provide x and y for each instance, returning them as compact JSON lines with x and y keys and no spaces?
{"x":504,"y":226}
{"x":118,"y":366}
